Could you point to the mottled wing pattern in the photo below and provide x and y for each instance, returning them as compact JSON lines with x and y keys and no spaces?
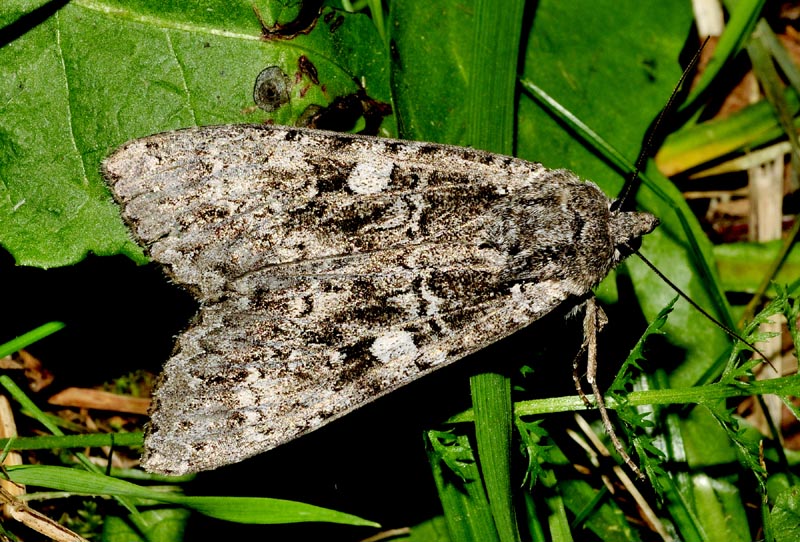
{"x":332,"y":269}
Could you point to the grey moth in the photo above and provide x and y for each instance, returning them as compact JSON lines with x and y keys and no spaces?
{"x":332,"y":269}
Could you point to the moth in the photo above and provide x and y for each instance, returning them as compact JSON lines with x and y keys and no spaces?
{"x":332,"y":269}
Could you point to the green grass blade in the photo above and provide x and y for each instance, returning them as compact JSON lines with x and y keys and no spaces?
{"x":252,"y":510}
{"x":744,"y":15}
{"x":460,"y":487}
{"x":491,"y":398}
{"x":27,"y":339}
{"x":495,"y":56}
{"x":74,"y":441}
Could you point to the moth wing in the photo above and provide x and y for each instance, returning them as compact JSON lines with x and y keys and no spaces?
{"x":259,"y":370}
{"x":213,"y":203}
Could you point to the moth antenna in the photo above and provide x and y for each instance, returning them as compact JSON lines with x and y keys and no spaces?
{"x":621,"y":203}
{"x":633,"y":181}
{"x":701,"y":310}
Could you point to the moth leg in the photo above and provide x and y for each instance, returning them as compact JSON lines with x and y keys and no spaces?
{"x":601,"y":321}
{"x":593,"y":321}
{"x":576,"y":377}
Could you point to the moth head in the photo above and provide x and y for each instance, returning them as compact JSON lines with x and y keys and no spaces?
{"x":627,"y":229}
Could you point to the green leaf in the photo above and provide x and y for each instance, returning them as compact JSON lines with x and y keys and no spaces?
{"x":533,"y":448}
{"x":742,"y":266}
{"x":491,"y":127}
{"x":785,"y":515}
{"x":742,"y":130}
{"x":719,"y":504}
{"x":432,"y":530}
{"x":163,"y":525}
{"x":429,"y":82}
{"x":491,"y":397}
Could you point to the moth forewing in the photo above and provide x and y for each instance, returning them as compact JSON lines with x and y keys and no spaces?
{"x":332,"y":269}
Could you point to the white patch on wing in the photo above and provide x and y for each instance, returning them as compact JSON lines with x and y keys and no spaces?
{"x":370,"y":177}
{"x":393,"y":345}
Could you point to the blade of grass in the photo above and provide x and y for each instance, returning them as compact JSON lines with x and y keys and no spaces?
{"x":770,"y":81}
{"x":27,"y":339}
{"x":254,"y":510}
{"x":491,"y":399}
{"x":42,"y":418}
{"x":495,"y":56}
{"x":74,"y":441}
{"x":743,"y":18}
{"x":750,"y":127}
{"x":460,"y":488}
